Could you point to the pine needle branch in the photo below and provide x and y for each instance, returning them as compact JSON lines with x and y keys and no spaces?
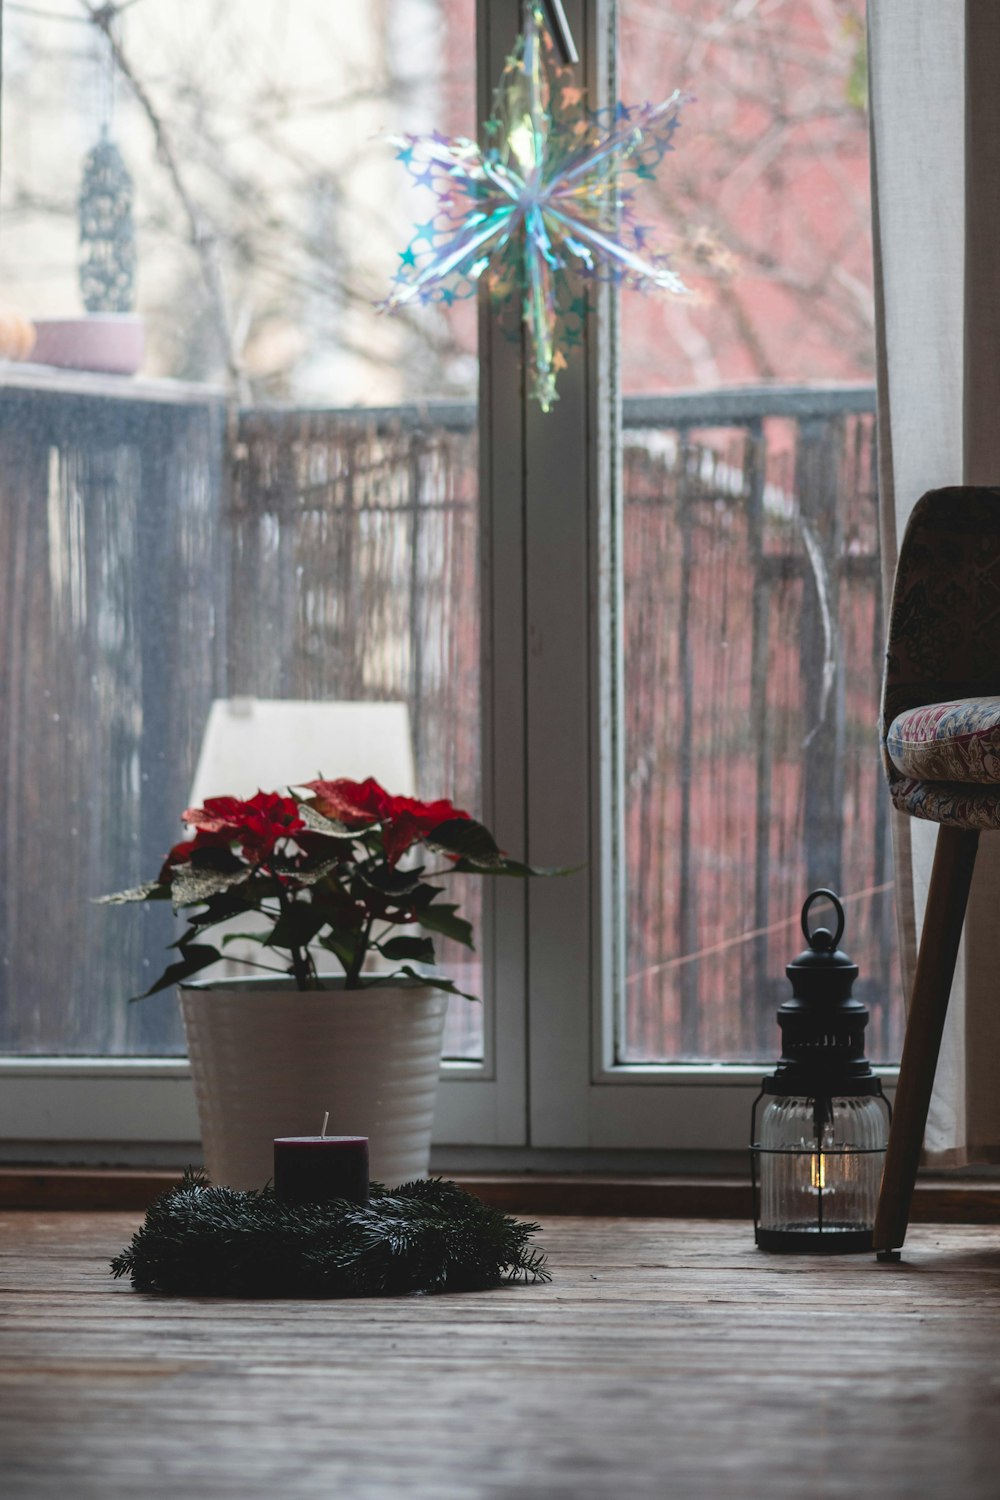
{"x":203,"y":1241}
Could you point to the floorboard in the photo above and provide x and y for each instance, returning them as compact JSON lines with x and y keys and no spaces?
{"x":667,"y":1358}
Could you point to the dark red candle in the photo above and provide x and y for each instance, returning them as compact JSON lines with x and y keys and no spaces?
{"x":318,"y":1168}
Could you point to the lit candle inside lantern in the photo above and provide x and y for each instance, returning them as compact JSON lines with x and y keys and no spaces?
{"x":320,"y":1168}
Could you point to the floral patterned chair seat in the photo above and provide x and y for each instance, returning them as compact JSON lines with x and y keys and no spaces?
{"x":938,"y":750}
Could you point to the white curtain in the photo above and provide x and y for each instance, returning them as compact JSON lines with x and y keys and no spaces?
{"x":935,"y":130}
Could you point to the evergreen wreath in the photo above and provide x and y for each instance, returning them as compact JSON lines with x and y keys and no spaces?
{"x":203,"y":1241}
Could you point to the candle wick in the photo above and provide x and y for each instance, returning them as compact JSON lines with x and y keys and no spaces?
{"x":326,"y":1121}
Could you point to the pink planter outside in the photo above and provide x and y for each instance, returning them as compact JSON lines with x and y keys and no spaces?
{"x":106,"y":343}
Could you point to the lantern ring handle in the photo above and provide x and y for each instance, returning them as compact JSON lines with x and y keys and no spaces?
{"x":835,"y":899}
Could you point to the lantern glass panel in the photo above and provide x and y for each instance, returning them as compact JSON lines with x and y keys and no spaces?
{"x":826,"y":1178}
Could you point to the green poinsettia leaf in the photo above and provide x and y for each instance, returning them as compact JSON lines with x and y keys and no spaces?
{"x":390,"y":881}
{"x":297,"y":926}
{"x":234,"y":902}
{"x":420,"y":950}
{"x":188,"y":939}
{"x":191,"y":886}
{"x":443,"y":918}
{"x":475,"y":850}
{"x":214,"y":857}
{"x":307,"y":874}
{"x":243,"y":937}
{"x":316,"y":823}
{"x":434,"y":981}
{"x":342,"y":945}
{"x":505,"y":866}
{"x":151,"y":891}
{"x":465,"y":837}
{"x":422,"y":895}
{"x":194,"y":958}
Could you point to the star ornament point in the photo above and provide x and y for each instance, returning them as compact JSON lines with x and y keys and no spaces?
{"x":539,"y":203}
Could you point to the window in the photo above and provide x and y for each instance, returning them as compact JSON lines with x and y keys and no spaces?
{"x":274,"y":526}
{"x":663,"y":673}
{"x":713,"y":634}
{"x":751,"y":623}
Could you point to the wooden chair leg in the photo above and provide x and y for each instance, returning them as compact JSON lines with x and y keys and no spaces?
{"x":947,"y":897}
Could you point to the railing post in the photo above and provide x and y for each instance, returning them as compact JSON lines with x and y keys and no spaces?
{"x":687,"y":895}
{"x":817,"y":454}
{"x":416,"y":580}
{"x":759,"y":1013}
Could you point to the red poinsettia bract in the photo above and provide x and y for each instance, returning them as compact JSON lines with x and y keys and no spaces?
{"x":258,"y":825}
{"x":360,"y":804}
{"x":321,"y":873}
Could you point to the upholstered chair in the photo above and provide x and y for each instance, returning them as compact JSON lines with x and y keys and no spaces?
{"x":941,"y":748}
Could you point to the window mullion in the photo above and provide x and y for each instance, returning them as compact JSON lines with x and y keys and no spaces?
{"x":566,"y":458}
{"x":492,"y":1110}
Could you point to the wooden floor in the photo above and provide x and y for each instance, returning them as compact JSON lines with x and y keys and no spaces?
{"x":667,"y":1358}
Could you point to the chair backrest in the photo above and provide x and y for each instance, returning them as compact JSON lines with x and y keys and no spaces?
{"x":944,"y":620}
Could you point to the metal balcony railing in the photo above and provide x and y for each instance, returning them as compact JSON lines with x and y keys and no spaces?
{"x":159,"y":552}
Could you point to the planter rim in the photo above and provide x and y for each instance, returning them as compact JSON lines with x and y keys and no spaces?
{"x":333,"y":984}
{"x":74,"y":319}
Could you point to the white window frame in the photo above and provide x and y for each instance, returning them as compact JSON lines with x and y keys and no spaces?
{"x":549,"y":1088}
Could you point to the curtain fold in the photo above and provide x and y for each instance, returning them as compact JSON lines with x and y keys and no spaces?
{"x":935,"y":138}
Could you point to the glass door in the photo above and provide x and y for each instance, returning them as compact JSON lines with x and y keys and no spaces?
{"x":240,"y":518}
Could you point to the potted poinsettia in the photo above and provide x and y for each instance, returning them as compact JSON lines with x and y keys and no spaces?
{"x":338,"y":868}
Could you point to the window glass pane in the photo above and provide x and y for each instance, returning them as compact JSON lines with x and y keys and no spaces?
{"x":272,"y":526}
{"x":752,"y":624}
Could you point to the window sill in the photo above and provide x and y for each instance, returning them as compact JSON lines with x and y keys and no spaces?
{"x":939,"y":1198}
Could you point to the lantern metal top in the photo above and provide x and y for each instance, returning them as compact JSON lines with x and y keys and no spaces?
{"x":822,"y":971}
{"x":822,"y":1024}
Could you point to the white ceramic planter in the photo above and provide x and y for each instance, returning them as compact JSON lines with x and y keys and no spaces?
{"x":269,"y":1060}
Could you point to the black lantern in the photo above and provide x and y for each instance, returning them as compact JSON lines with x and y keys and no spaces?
{"x":820,"y":1124}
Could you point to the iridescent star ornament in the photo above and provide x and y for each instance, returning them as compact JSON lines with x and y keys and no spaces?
{"x":540,"y":200}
